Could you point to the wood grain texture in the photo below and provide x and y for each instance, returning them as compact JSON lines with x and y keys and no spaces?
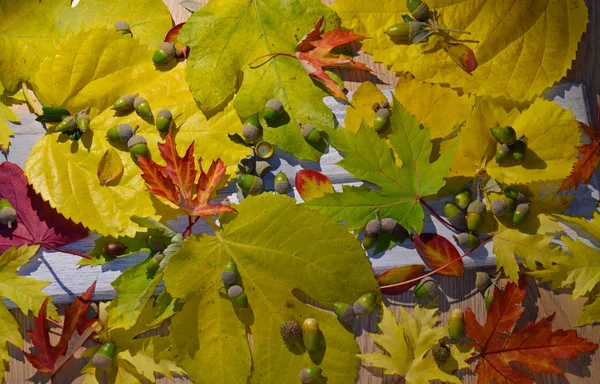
{"x":539,"y":302}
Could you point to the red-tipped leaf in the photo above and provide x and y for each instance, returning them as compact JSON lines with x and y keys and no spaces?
{"x":437,"y":251}
{"x":398,"y":275}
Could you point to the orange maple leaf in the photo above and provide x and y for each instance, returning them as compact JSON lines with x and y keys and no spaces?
{"x":314,"y":53}
{"x":177,"y":183}
{"x":48,"y":354}
{"x":536,"y":345}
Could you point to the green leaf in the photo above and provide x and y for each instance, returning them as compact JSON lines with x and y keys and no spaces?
{"x":241,"y":31}
{"x":278,"y":247}
{"x":368,"y":158}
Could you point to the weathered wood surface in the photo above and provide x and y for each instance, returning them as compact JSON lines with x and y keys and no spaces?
{"x":457,"y":292}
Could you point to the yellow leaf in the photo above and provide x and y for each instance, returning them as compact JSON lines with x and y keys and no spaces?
{"x":590,"y":314}
{"x":5,"y":115}
{"x":590,"y":226}
{"x":521,"y":47}
{"x":65,"y":172}
{"x":9,"y":333}
{"x":361,"y":107}
{"x":110,"y":167}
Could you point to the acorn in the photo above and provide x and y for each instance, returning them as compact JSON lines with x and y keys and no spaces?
{"x":455,"y":216}
{"x":441,"y":353}
{"x":124,"y":103}
{"x":247,"y":165}
{"x":404,"y":32}
{"x":373,"y":226}
{"x":504,"y":135}
{"x":153,"y":264}
{"x":83,"y":121}
{"x":157,"y":243}
{"x":67,"y":124}
{"x":250,"y":133}
{"x":282,"y":183}
{"x":164,"y":53}
{"x":463,"y":198}
{"x":468,"y":240}
{"x":515,"y":194}
{"x":262,"y":168}
{"x":120,"y":133}
{"x":137,"y":146}
{"x":273,"y":109}
{"x":488,"y":296}
{"x":482,"y":281}
{"x":518,"y":150}
{"x":290,"y":331}
{"x":382,"y":120}
{"x":475,"y":214}
{"x":456,"y":324}
{"x":502,"y":153}
{"x":264,"y":150}
{"x":238,"y":295}
{"x":310,"y":334}
{"x":520,"y":213}
{"x":8,"y":215}
{"x":418,"y":9}
{"x":369,"y":240}
{"x":164,"y":118}
{"x":308,"y":375}
{"x":142,"y":107}
{"x":502,"y":205}
{"x":427,"y":287}
{"x":74,"y":135}
{"x":344,"y":312}
{"x":392,"y":227}
{"x":123,"y":27}
{"x":114,"y":249}
{"x":250,"y":184}
{"x":311,"y":134}
{"x":365,"y":304}
{"x":104,"y":357}
{"x":229,"y":273}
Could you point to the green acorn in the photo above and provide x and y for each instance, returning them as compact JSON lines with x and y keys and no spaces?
{"x":463,"y":198}
{"x":391,"y":226}
{"x":365,"y":304}
{"x":154,"y":264}
{"x":262,"y":168}
{"x":418,"y":9}
{"x":273,"y":109}
{"x":250,"y":184}
{"x":518,"y":150}
{"x":164,"y":53}
{"x":124,"y":103}
{"x":290,"y":330}
{"x":250,"y":133}
{"x":164,"y":118}
{"x":502,"y":153}
{"x":482,"y":281}
{"x":282,"y":184}
{"x":456,"y":324}
{"x":310,"y":334}
{"x":237,"y":294}
{"x":8,"y":215}
{"x":74,"y":135}
{"x":455,"y":216}
{"x":369,"y":240}
{"x":427,"y":287}
{"x":142,"y":107}
{"x":157,"y":243}
{"x":441,"y":353}
{"x":123,"y":27}
{"x":308,"y":375}
{"x":83,"y":121}
{"x":120,"y":133}
{"x":504,"y":135}
{"x":404,"y":32}
{"x":104,"y":357}
{"x":382,"y":120}
{"x":311,"y":134}
{"x":515,"y":194}
{"x":502,"y":205}
{"x":520,"y":213}
{"x":467,"y":240}
{"x":137,"y":146}
{"x":475,"y":214}
{"x":247,"y":165}
{"x":488,"y":296}
{"x":344,"y":312}
{"x":68,"y":124}
{"x":229,"y":273}
{"x":114,"y":249}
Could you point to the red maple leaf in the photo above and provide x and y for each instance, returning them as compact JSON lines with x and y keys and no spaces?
{"x":536,"y":345}
{"x":177,"y":183}
{"x":584,"y":167}
{"x":37,"y":222}
{"x":47,"y":354}
{"x":314,"y":53}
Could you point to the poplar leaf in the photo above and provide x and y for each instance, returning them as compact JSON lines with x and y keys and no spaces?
{"x":110,"y":167}
{"x":6,"y":114}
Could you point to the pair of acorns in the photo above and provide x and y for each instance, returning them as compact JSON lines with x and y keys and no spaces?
{"x":253,"y":184}
{"x":291,"y":332}
{"x":472,"y":220}
{"x":235,"y":292}
{"x":512,"y":202}
{"x":128,"y":102}
{"x":509,"y":144}
{"x":137,"y":145}
{"x":382,"y":116}
{"x":486,"y":284}
{"x":362,"y":307}
{"x":74,"y":126}
{"x":411,"y":31}
{"x":388,"y":225}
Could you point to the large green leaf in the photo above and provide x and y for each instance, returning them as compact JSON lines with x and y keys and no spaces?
{"x":278,"y":247}
{"x":241,"y":31}
{"x":369,"y":158}
{"x":31,"y":30}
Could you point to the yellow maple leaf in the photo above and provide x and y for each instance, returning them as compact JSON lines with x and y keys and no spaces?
{"x":5,"y":115}
{"x":521,"y":47}
{"x":407,"y":344}
{"x":590,"y":314}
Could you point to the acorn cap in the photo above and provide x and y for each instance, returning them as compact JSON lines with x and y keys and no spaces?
{"x":388,"y":225}
{"x":365,"y":304}
{"x":164,"y":113}
{"x":262,"y":168}
{"x":455,"y":216}
{"x":498,"y":207}
{"x":482,"y":281}
{"x":8,"y":216}
{"x":124,"y":102}
{"x":383,"y":113}
{"x":135,"y":140}
{"x":427,"y":287}
{"x":250,"y":132}
{"x":441,"y":353}
{"x":344,"y":312}
{"x":138,"y":100}
{"x":247,"y":165}
{"x":122,"y":26}
{"x":476,"y":206}
{"x":523,"y":207}
{"x":228,"y":277}
{"x":168,"y":48}
{"x":282,"y":187}
{"x":105,"y":356}
{"x":234,"y":291}
{"x":275,"y":105}
{"x":307,"y":129}
{"x":373,"y":226}
{"x":421,"y":13}
{"x":290,"y":330}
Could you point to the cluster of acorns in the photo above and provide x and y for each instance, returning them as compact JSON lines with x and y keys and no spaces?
{"x":411,"y":31}
{"x":235,"y":292}
{"x":74,"y":126}
{"x":291,"y":332}
{"x":485,"y":284}
{"x":250,"y":178}
{"x":382,"y":116}
{"x":124,"y":133}
{"x":509,"y":144}
{"x":377,"y":226}
{"x":8,"y":215}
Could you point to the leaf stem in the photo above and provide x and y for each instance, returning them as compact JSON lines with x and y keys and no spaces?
{"x":84,"y":337}
{"x":65,"y":251}
{"x":191,"y":223}
{"x":440,"y":268}
{"x":270,"y":55}
{"x":440,"y":218}
{"x":36,"y":108}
